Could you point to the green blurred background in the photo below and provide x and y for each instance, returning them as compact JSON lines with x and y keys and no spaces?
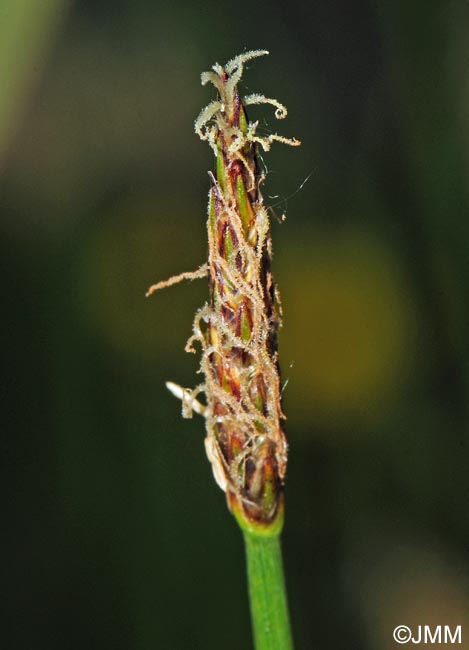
{"x":114,"y":534}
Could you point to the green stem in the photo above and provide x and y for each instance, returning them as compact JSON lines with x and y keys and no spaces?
{"x":267,"y":594}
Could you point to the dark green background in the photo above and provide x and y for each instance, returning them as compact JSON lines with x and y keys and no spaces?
{"x":114,"y":533}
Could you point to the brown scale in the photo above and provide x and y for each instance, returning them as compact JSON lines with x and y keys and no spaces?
{"x":237,"y":329}
{"x":247,"y":445}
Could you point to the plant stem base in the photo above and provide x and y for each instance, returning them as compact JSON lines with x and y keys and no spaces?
{"x":267,"y":595}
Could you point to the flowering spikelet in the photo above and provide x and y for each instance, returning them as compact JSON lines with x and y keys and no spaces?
{"x":237,"y":328}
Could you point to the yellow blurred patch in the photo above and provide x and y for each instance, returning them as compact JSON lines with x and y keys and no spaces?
{"x":349,"y":325}
{"x":139,"y":242}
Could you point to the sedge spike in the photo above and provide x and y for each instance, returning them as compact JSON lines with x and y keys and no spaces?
{"x":237,"y":328}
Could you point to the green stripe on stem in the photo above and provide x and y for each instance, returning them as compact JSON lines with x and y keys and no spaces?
{"x":267,"y":594}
